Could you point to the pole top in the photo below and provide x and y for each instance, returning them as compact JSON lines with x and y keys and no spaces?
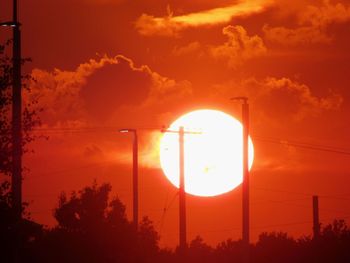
{"x":127,"y":130}
{"x":10,"y":24}
{"x":181,"y":129}
{"x":241,"y":98}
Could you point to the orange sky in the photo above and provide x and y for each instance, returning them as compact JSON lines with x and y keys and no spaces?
{"x":104,"y":65}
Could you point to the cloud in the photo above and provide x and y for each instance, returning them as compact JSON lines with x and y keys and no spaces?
{"x":58,"y":91}
{"x":101,"y":87}
{"x":285,"y":98}
{"x":280,"y":99}
{"x":326,"y":14}
{"x":188,"y":49}
{"x":85,"y":102}
{"x":239,"y":46}
{"x":165,"y":90}
{"x":297,"y":36}
{"x":313,"y":26}
{"x":171,"y":26}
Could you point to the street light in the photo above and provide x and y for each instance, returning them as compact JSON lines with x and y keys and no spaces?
{"x":16,"y":184}
{"x":16,"y":180}
{"x":10,"y":24}
{"x":135,"y":175}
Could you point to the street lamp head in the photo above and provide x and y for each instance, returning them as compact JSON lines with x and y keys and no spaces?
{"x":10,"y":24}
{"x":127,"y":130}
{"x":244,"y":99}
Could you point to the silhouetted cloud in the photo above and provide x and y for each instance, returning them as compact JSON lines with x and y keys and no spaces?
{"x":63,"y":96}
{"x":283,"y":98}
{"x":313,"y":25}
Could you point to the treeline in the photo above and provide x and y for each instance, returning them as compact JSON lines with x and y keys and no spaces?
{"x":92,"y":227}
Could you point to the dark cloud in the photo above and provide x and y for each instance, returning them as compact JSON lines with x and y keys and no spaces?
{"x":113,"y":86}
{"x":99,"y":89}
{"x":279,"y":99}
{"x":313,"y":25}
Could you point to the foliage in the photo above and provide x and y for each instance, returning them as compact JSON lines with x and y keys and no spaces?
{"x":229,"y":249}
{"x":21,"y":234}
{"x":30,"y":113}
{"x":275,"y":247}
{"x":92,"y":227}
{"x":199,"y":251}
{"x":26,"y":232}
{"x":5,"y":103}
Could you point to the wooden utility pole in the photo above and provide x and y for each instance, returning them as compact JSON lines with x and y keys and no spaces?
{"x":316,"y":219}
{"x":245,"y":183}
{"x":245,"y":197}
{"x":182,"y":192}
{"x":16,"y":117}
{"x":182,"y":195}
{"x":16,"y":130}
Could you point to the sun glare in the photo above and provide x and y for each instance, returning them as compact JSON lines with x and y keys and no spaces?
{"x":213,"y":155}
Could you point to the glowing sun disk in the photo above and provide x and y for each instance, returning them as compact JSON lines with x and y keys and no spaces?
{"x":213,"y":156}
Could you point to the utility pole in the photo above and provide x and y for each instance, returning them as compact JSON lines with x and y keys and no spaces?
{"x":182,"y":195}
{"x":245,"y":183}
{"x":135,"y":181}
{"x":16,"y":117}
{"x":245,"y":120}
{"x":316,"y":220}
{"x":16,"y":133}
{"x":135,"y":176}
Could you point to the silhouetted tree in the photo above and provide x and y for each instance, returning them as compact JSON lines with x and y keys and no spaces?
{"x":230,"y":250}
{"x":92,"y":228}
{"x":275,"y":247}
{"x":333,"y":245}
{"x":199,"y":251}
{"x":30,"y":116}
{"x":27,"y":230}
{"x":5,"y":103}
{"x":148,"y":237}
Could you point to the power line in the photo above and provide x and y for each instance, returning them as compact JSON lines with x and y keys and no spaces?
{"x":166,"y":209}
{"x":282,"y":191}
{"x":309,"y":146}
{"x":95,"y":129}
{"x":279,"y":201}
{"x":335,"y":196}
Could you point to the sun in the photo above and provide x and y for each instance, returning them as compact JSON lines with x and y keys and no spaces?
{"x":213,"y":155}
